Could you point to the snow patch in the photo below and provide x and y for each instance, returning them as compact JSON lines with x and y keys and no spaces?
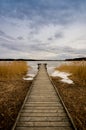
{"x":62,"y":75}
{"x":67,"y":81}
{"x":28,"y":78}
{"x":30,"y":75}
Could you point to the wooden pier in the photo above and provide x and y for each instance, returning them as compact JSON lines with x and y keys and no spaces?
{"x":42,"y":108}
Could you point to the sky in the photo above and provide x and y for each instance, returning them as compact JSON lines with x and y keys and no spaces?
{"x":42,"y":29}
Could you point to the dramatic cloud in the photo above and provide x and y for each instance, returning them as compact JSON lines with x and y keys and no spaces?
{"x":43,"y":29}
{"x":20,"y":38}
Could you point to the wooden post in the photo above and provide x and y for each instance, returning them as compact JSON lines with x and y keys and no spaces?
{"x":45,"y":65}
{"x":39,"y":65}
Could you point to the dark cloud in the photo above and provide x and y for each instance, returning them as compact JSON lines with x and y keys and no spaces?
{"x":50,"y":38}
{"x":41,"y":11}
{"x":59,"y":35}
{"x":20,"y":38}
{"x":65,"y":49}
{"x":10,"y":47}
{"x":3,"y":34}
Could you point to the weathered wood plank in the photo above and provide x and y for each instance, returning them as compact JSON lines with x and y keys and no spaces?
{"x":44,"y":128}
{"x":43,"y":111}
{"x":44,"y":108}
{"x":43,"y":102}
{"x":47,"y":124}
{"x":59,"y":118}
{"x":42,"y":105}
{"x":41,"y":114}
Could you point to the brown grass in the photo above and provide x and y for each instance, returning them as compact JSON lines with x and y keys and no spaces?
{"x":12,"y":94}
{"x":10,"y":70}
{"x":74,"y":95}
{"x":13,"y":90}
{"x":78,"y":70}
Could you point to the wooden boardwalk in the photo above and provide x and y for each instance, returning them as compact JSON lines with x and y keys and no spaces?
{"x":42,"y":109}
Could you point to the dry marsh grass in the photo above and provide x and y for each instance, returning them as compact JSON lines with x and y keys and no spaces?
{"x":13,"y":90}
{"x":78,"y":70}
{"x":14,"y":69}
{"x":74,"y":95}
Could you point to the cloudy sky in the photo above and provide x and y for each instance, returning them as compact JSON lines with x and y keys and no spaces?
{"x":42,"y":29}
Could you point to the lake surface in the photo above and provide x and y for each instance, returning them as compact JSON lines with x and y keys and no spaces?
{"x":50,"y":65}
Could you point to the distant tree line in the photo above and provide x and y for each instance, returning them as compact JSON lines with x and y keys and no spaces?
{"x":77,"y":59}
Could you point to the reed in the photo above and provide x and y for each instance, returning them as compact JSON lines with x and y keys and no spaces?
{"x":14,"y":69}
{"x":78,"y":70}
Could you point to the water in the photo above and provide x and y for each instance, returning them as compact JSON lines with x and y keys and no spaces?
{"x":51,"y":65}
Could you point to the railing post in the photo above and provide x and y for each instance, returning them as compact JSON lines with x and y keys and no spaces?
{"x":45,"y":65}
{"x":39,"y":66}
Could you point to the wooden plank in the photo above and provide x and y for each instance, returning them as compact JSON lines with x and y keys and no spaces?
{"x":42,"y":96}
{"x":42,"y":114}
{"x":43,"y":105}
{"x":44,"y":108}
{"x":40,"y":110}
{"x":43,"y":100}
{"x":47,"y":124}
{"x":44,"y":128}
{"x":59,"y":118}
{"x":40,"y":102}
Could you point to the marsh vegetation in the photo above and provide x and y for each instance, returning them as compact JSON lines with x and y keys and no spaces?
{"x":74,"y":95}
{"x":77,"y":69}
{"x":13,"y":90}
{"x":12,"y":70}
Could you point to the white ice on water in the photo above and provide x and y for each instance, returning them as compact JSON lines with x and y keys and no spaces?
{"x":62,"y":75}
{"x":30,"y":75}
{"x":28,"y":78}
